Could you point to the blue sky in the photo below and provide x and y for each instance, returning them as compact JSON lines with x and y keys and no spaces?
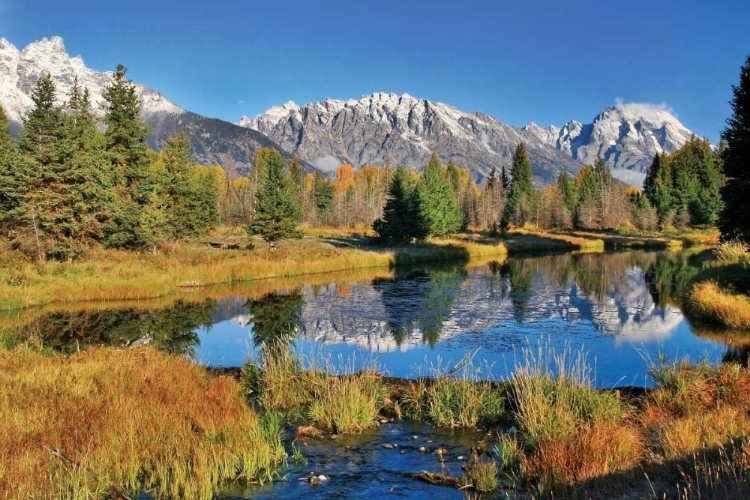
{"x":547,"y":61}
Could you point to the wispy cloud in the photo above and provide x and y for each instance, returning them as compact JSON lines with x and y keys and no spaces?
{"x":241,"y":102}
{"x":644,"y":107}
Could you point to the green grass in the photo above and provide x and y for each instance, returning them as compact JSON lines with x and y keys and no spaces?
{"x":344,"y":404}
{"x":449,"y":401}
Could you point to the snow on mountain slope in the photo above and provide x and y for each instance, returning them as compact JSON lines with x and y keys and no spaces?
{"x":402,"y":130}
{"x":627,"y":136}
{"x":19,"y":71}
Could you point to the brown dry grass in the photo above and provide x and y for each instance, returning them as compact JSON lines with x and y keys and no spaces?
{"x":593,"y":451}
{"x":107,"y":420}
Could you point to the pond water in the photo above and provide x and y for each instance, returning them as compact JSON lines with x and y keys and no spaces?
{"x":623,"y":309}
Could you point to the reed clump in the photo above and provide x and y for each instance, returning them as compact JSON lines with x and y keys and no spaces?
{"x":340,"y":404}
{"x":708,"y":302}
{"x":568,"y":431}
{"x":108,"y":422}
{"x":454,"y":398}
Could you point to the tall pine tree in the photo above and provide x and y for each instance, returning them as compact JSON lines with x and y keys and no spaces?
{"x":129,"y":155}
{"x":11,"y":183}
{"x":86,"y":177}
{"x":438,"y":206}
{"x":276,"y":209}
{"x":40,"y":147}
{"x":400,"y":221}
{"x":521,"y":195}
{"x":735,"y":221}
{"x":658,"y":186}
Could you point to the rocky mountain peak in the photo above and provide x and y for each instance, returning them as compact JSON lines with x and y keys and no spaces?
{"x":384,"y":128}
{"x":211,"y":139}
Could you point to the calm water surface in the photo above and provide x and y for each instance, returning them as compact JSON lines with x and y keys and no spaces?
{"x":623,"y":309}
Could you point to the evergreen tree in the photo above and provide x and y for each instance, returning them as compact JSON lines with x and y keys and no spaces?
{"x":41,"y":153}
{"x":276,"y":210}
{"x":735,"y":221}
{"x":323,"y":192}
{"x":567,"y":191}
{"x":130,"y":157}
{"x":86,"y":182}
{"x":697,"y":183}
{"x":400,"y":221}
{"x":11,"y":182}
{"x":492,"y":179}
{"x":437,"y":203}
{"x":521,"y":194}
{"x":296,"y":178}
{"x":506,"y":179}
{"x":191,"y":197}
{"x":453,"y":176}
{"x":658,"y":186}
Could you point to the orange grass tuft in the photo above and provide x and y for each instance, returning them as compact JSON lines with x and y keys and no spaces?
{"x":108,"y":420}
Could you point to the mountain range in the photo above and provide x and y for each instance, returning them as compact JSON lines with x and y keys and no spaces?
{"x":376,"y":129}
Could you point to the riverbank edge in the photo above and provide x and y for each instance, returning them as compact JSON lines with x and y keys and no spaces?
{"x":113,"y":275}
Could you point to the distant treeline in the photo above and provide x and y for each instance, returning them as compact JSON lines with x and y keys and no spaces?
{"x":72,"y":181}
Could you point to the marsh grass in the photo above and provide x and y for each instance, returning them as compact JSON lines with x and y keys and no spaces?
{"x":121,"y":275}
{"x":483,"y":476}
{"x":732,"y":252}
{"x":708,"y":302}
{"x":341,"y":404}
{"x":107,"y":420}
{"x":553,"y":395}
{"x":537,"y":239}
{"x":568,"y":431}
{"x":447,"y":400}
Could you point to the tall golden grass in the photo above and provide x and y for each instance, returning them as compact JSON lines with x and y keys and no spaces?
{"x":107,"y":421}
{"x":708,"y":302}
{"x":108,"y":275}
{"x":345,"y":404}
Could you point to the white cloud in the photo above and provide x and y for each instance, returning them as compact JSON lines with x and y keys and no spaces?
{"x":326,"y":163}
{"x":241,"y":102}
{"x":645,"y":109}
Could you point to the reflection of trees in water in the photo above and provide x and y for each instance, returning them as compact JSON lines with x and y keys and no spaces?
{"x":519,"y":272}
{"x":172,"y":329}
{"x":668,"y":276}
{"x":420,"y":300}
{"x":276,"y":318}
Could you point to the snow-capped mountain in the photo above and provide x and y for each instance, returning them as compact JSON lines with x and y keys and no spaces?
{"x":403,"y":130}
{"x":20,"y":69}
{"x":376,"y":129}
{"x":211,"y":138}
{"x":627,"y":136}
{"x":406,"y":130}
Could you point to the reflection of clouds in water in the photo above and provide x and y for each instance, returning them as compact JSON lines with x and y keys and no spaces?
{"x":629,"y":313}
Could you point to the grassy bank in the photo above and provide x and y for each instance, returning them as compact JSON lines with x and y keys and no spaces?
{"x":118,"y":275}
{"x":114,"y":275}
{"x":105,"y":422}
{"x":102,"y":422}
{"x":720,"y":293}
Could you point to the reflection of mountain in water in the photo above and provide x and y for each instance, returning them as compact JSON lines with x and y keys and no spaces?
{"x":607,"y":290}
